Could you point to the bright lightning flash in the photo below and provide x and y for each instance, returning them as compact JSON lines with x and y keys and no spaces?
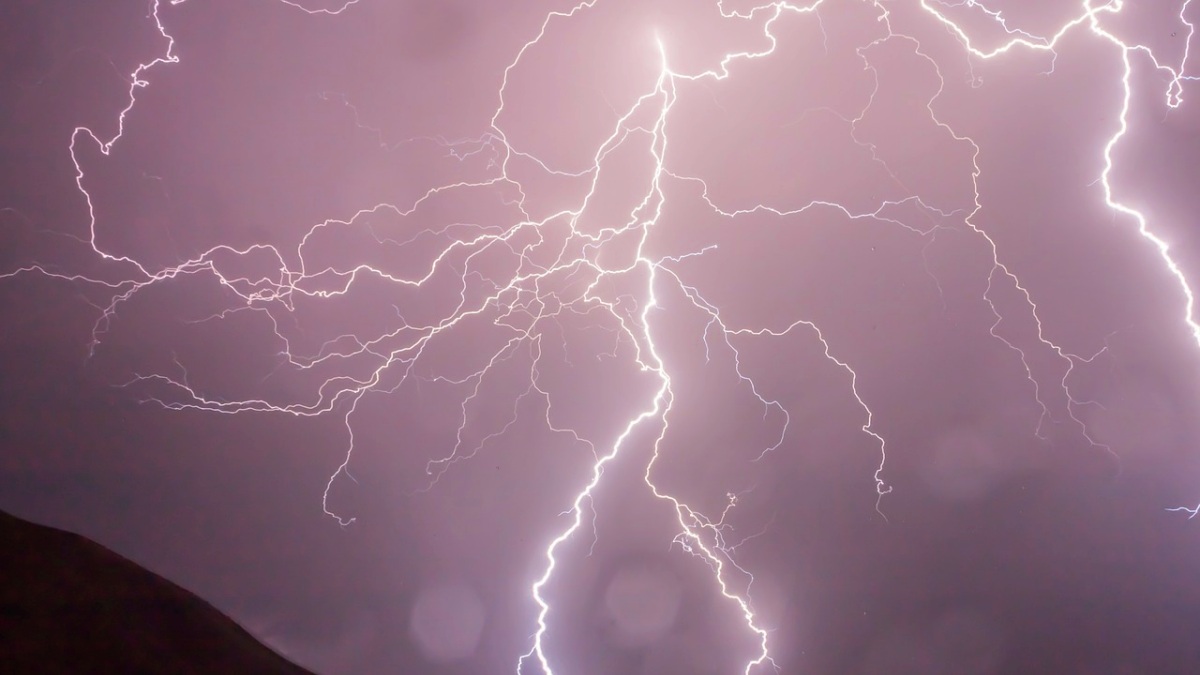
{"x":540,"y":288}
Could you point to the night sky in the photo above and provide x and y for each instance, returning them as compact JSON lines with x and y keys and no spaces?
{"x":334,"y":322}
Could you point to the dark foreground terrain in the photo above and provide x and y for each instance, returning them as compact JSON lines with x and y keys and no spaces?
{"x":69,"y":605}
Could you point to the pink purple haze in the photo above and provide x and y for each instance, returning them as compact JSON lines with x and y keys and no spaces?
{"x":624,"y":336}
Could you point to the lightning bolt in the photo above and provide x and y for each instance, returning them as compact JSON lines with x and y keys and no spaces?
{"x":555,"y":266}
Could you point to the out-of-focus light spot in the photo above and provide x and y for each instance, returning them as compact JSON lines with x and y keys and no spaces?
{"x":963,"y":466}
{"x":447,"y":622}
{"x":642,"y":601}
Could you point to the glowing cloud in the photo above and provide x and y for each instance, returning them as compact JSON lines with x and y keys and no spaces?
{"x":548,"y":259}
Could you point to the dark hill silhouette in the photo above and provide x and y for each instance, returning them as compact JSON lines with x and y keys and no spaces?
{"x":69,"y":605}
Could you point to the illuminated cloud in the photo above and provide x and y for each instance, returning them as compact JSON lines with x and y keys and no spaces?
{"x":596,"y":274}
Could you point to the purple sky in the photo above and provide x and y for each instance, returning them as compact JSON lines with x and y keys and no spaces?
{"x":448,"y":253}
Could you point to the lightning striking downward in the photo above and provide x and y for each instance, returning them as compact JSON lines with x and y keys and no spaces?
{"x":537,"y":269}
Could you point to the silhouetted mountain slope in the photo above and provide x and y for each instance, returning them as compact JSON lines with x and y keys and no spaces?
{"x":69,"y":605}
